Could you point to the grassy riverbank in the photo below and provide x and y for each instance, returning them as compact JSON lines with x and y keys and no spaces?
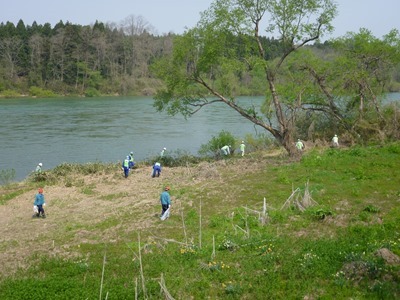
{"x":331,"y":229}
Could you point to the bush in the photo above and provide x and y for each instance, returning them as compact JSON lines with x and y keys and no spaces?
{"x":92,"y":92}
{"x":178,"y":158}
{"x":10,"y":94}
{"x":318,"y":212}
{"x":66,"y":169}
{"x":40,"y":93}
{"x":212,"y":148}
{"x":371,"y":209}
{"x":259,"y":142}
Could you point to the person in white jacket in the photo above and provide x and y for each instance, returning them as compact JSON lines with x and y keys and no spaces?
{"x":226,"y":150}
{"x":335,"y":141}
{"x":242,"y":147}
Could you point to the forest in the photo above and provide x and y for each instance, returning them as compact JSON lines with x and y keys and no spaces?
{"x":106,"y":59}
{"x":79,"y":60}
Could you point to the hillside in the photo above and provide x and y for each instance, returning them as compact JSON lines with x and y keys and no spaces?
{"x":105,"y":216}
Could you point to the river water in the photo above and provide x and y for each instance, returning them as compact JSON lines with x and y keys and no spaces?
{"x":106,"y":129}
{"x":79,"y":130}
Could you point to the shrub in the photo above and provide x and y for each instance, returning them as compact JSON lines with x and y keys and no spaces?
{"x":65,"y":169}
{"x":40,"y":93}
{"x":10,"y":94}
{"x":318,"y":212}
{"x":371,"y":209}
{"x":259,"y":142}
{"x":178,"y":158}
{"x":92,"y":92}
{"x":212,"y":148}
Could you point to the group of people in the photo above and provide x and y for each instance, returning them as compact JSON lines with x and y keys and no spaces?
{"x":335,"y":143}
{"x":165,"y":198}
{"x":226,"y":150}
{"x":129,"y":164}
{"x":39,"y":203}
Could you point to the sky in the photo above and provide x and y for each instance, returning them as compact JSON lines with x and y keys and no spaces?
{"x":378,"y":16}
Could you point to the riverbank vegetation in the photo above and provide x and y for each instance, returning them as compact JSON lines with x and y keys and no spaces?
{"x":260,"y":226}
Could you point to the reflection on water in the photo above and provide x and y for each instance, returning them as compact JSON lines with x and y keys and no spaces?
{"x":53,"y":131}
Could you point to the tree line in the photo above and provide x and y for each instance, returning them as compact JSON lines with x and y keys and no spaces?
{"x":74,"y":59}
{"x":86,"y":59}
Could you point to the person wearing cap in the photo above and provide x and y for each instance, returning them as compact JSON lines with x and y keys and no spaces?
{"x":335,"y":141}
{"x":125,"y":166}
{"x":131,"y":162}
{"x":242,"y":147}
{"x":226,"y":150}
{"x":165,"y":200}
{"x":156,"y":170}
{"x":39,"y":203}
{"x":299,"y":145}
{"x":163,"y":151}
{"x":39,"y":168}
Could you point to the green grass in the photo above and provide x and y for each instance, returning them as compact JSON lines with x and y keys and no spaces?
{"x":9,"y":192}
{"x":328,"y":251}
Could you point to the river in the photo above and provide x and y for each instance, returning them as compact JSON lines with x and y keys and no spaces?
{"x":106,"y":129}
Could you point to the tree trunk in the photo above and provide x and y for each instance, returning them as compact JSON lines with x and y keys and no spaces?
{"x":285,"y":123}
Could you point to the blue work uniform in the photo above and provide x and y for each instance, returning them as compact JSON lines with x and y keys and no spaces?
{"x":156,"y":170}
{"x":39,"y":202}
{"x":125,"y":166}
{"x":165,"y":200}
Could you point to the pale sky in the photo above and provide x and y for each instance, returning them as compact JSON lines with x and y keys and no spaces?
{"x":379,"y":16}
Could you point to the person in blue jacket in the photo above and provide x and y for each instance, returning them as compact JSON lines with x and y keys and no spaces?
{"x":125,"y":166}
{"x":39,"y":203}
{"x":156,"y":170}
{"x":165,"y":200}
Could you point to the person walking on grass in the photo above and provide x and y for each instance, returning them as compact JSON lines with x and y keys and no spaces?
{"x":165,"y":200}
{"x":39,"y":203}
